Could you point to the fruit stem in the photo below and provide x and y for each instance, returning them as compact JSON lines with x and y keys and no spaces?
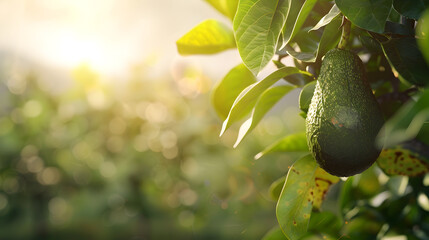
{"x":346,"y":34}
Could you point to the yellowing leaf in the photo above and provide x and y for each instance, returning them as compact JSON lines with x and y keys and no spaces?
{"x":399,"y":160}
{"x":226,"y":7}
{"x":208,"y":37}
{"x":323,"y":181}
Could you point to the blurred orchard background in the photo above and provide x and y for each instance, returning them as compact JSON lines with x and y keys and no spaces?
{"x":107,"y":133}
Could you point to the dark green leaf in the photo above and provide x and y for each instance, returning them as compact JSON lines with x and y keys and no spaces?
{"x":247,"y":99}
{"x":398,"y":29}
{"x":367,"y":14}
{"x":406,"y":123}
{"x":325,"y":222}
{"x":306,"y":95}
{"x":423,"y":33}
{"x":346,"y":201}
{"x":208,"y":37}
{"x":330,"y":38}
{"x":267,"y":100}
{"x":406,"y":59}
{"x":411,"y":8}
{"x":295,"y":202}
{"x":327,"y":18}
{"x":257,"y":26}
{"x":371,"y":44}
{"x":424,"y":133}
{"x":292,"y":143}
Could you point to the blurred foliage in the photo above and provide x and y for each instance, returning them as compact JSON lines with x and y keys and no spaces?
{"x":137,"y":159}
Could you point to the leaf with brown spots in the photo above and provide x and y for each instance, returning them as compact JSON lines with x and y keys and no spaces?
{"x":408,"y":159}
{"x":295,"y":203}
{"x":323,"y":182}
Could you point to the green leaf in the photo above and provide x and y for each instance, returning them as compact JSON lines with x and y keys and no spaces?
{"x":423,"y":33}
{"x":326,"y":224}
{"x":306,"y":95}
{"x":296,"y":18}
{"x":406,"y":59}
{"x":335,"y":11}
{"x":208,"y":37}
{"x":226,"y":7}
{"x":275,"y":234}
{"x":292,"y":143}
{"x":398,"y":29}
{"x":276,"y":188}
{"x":411,"y":8}
{"x":409,"y":159}
{"x":295,"y":203}
{"x":370,"y":15}
{"x":346,"y":200}
{"x":247,"y":99}
{"x":371,"y":45}
{"x":257,"y":26}
{"x":406,"y":123}
{"x":330,"y":38}
{"x":267,"y":100}
{"x":227,"y":90}
{"x":424,"y":133}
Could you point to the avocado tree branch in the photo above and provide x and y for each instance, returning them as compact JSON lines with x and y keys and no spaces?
{"x":346,"y":34}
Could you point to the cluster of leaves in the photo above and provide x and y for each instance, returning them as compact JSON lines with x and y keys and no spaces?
{"x":391,"y":38}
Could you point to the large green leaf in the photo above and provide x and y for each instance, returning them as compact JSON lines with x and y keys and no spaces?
{"x":229,"y":88}
{"x":257,"y":26}
{"x":411,"y":8}
{"x":208,"y":37}
{"x":367,"y":14}
{"x":226,"y":7}
{"x":295,"y":203}
{"x":406,"y":59}
{"x":247,"y":99}
{"x":423,"y":33}
{"x":406,"y":123}
{"x":330,"y":38}
{"x":296,"y":18}
{"x":325,"y":20}
{"x":267,"y":100}
{"x":292,"y":143}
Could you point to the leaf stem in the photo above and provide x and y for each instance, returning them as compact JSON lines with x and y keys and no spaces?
{"x":346,"y":34}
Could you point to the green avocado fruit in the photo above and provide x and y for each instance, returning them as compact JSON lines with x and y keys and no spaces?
{"x":344,"y":117}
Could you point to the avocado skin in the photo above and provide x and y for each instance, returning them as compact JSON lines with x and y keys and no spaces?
{"x":344,"y":117}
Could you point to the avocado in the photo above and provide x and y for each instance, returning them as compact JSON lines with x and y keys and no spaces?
{"x":344,"y":117}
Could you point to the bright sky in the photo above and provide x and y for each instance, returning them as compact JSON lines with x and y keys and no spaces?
{"x":109,"y":35}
